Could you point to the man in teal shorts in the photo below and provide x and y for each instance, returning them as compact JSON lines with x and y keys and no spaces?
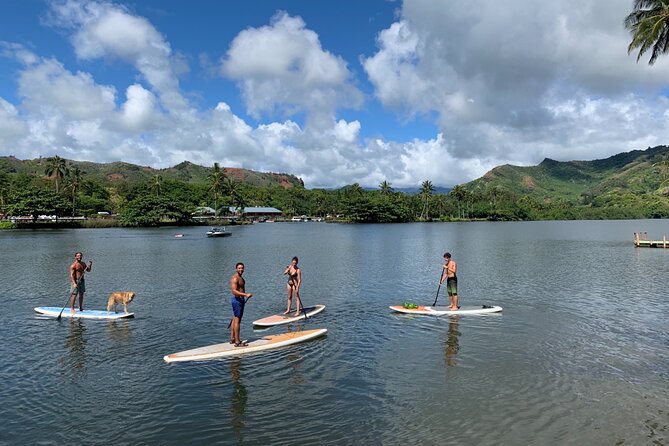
{"x":450,"y":275}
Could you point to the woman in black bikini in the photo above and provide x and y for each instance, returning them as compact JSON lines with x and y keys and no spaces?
{"x":294,"y":274}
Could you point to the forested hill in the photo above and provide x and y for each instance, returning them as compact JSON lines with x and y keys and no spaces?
{"x":637,"y":172}
{"x":110,"y":173}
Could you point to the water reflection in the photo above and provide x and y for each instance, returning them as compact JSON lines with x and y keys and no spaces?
{"x":238,"y":401}
{"x":294,"y":357}
{"x":119,"y":331}
{"x":75,"y":344}
{"x":452,"y":345}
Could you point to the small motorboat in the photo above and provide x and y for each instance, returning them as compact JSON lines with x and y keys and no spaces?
{"x":218,"y":232}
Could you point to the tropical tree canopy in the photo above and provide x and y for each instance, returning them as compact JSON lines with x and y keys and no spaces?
{"x":385,"y":187}
{"x":217,"y":180}
{"x":74,"y":183}
{"x":649,"y":24}
{"x":157,"y":184}
{"x":34,"y":202}
{"x":56,"y":167}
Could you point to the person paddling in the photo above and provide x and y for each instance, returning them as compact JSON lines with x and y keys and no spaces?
{"x":77,"y":270}
{"x":294,"y":274}
{"x":449,"y":274}
{"x":239,"y":298}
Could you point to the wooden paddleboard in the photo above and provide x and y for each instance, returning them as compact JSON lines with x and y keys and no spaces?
{"x":280,"y":318}
{"x":443,"y":310}
{"x":257,"y":345}
{"x":86,"y":314}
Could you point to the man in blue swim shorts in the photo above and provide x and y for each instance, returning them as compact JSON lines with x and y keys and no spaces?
{"x":239,"y":298}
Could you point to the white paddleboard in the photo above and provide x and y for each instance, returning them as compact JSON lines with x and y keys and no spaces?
{"x":438,"y":310}
{"x":280,"y":318}
{"x":257,"y":345}
{"x":86,"y":314}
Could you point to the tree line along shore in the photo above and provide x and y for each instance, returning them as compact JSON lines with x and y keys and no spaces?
{"x":627,"y":186}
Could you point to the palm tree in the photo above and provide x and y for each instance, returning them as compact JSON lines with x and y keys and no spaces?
{"x":217,"y":179}
{"x":56,"y":167}
{"x":237,"y":198}
{"x":74,"y":182}
{"x":354,"y":189}
{"x":426,"y":192}
{"x":385,"y":188}
{"x":649,"y":24}
{"x":460,"y":194}
{"x":157,"y":184}
{"x":494,"y":193}
{"x":239,"y":202}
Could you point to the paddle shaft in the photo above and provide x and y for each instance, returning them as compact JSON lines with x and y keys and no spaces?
{"x":441,"y":276}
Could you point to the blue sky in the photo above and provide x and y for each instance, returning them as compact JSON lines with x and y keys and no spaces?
{"x":333,"y":92}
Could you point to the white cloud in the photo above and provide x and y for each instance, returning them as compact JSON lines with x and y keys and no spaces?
{"x":497,"y":73}
{"x":509,"y":82}
{"x":12,"y":127}
{"x":76,"y":96}
{"x":283,"y":68}
{"x":105,"y":30}
{"x":139,"y":111}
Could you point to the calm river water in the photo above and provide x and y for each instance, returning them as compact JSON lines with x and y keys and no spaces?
{"x":580,"y":354}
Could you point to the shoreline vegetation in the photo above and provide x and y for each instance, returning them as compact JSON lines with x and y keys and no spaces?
{"x":57,"y":193}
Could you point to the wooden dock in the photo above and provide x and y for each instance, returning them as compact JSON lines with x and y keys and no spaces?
{"x":641,"y":241}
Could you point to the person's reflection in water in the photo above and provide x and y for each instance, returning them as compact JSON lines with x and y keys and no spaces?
{"x":75,"y":343}
{"x":294,"y":358}
{"x":452,"y":345}
{"x":238,"y":400}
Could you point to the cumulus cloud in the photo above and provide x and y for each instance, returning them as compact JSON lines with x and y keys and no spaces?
{"x":12,"y":127}
{"x":105,"y":30}
{"x":501,"y":83}
{"x":282,"y":68}
{"x":516,"y":81}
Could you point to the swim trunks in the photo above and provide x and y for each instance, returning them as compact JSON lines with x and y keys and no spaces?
{"x":452,"y":285}
{"x":81,"y":288}
{"x":238,"y":306}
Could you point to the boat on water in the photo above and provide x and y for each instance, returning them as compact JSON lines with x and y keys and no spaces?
{"x":218,"y":232}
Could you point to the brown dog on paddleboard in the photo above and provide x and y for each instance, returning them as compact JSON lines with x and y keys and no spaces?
{"x":120,"y":297}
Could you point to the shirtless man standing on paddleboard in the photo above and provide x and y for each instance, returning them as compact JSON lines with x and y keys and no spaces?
{"x":239,"y":298}
{"x":450,"y":275}
{"x":77,"y":270}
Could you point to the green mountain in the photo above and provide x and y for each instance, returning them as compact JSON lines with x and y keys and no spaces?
{"x":635,"y":173}
{"x":114,"y":173}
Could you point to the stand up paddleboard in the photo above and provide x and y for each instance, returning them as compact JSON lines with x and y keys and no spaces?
{"x":86,"y":314}
{"x":280,"y":318}
{"x":438,"y":311}
{"x":227,"y":349}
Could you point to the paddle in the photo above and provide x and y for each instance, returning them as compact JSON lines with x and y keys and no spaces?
{"x":437,"y":297}
{"x":299,"y":302}
{"x":69,"y":299}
